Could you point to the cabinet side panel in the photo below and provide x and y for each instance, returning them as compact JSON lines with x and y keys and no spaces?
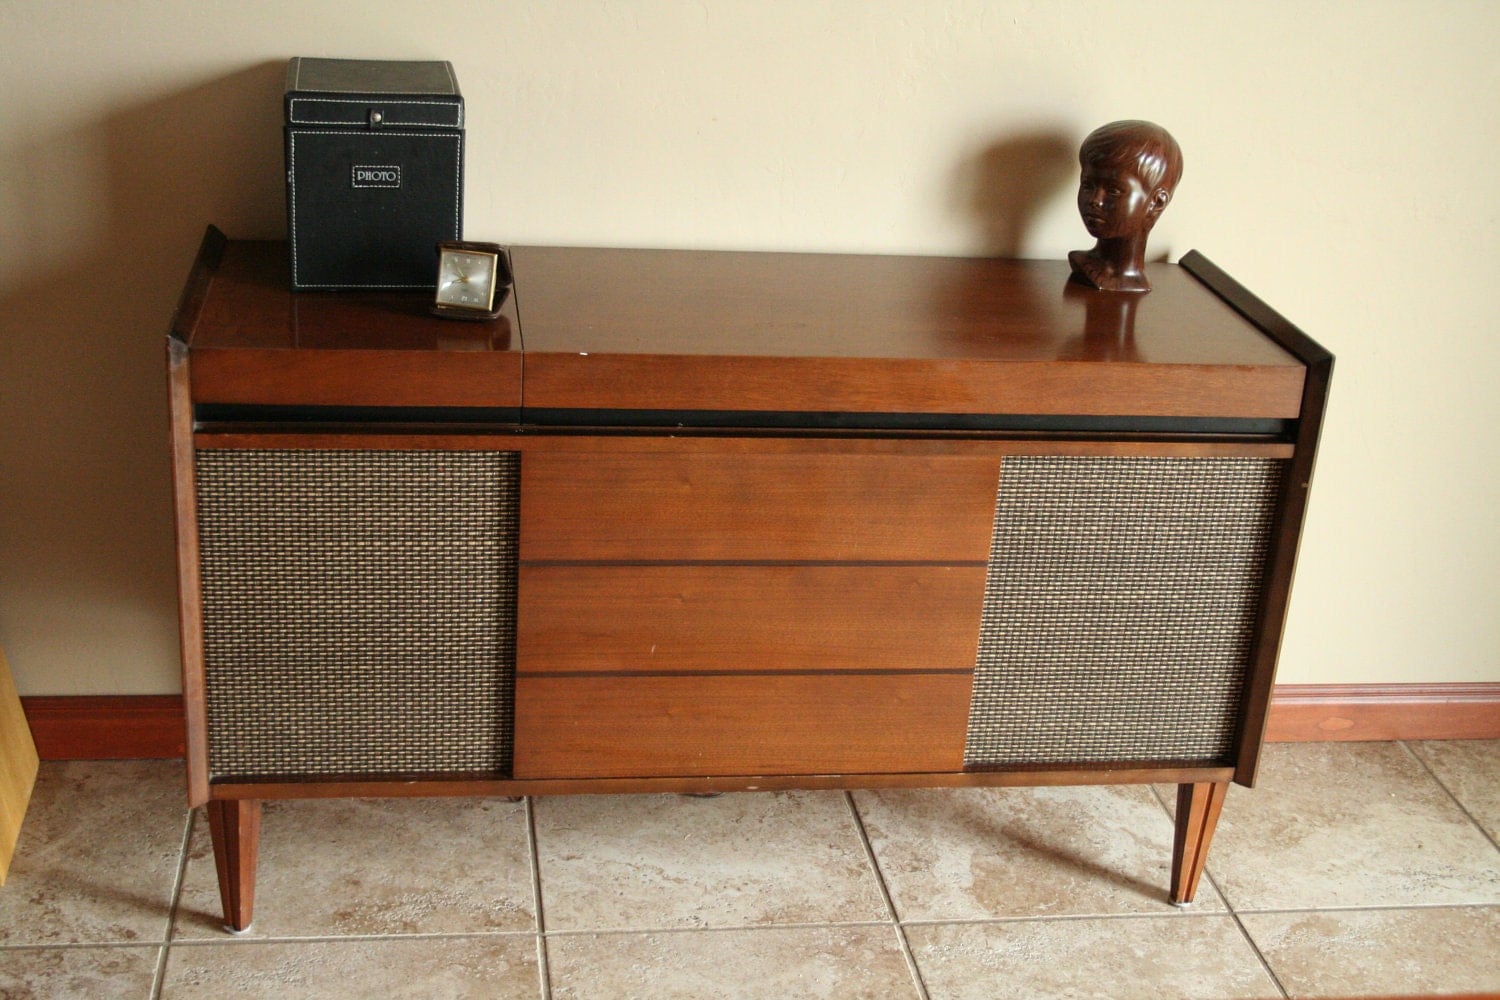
{"x":1120,"y":608}
{"x":358,"y":610}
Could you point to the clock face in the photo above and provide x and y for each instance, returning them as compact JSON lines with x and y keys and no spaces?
{"x":466,"y":280}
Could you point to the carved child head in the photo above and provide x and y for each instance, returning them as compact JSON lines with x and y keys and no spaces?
{"x":1130,"y":169}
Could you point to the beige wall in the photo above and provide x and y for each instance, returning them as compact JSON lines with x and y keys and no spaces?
{"x":1340,"y":162}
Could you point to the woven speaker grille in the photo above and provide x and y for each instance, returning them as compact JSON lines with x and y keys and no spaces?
{"x":1119,"y":608}
{"x":358,"y":610}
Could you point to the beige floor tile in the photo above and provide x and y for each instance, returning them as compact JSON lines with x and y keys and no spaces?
{"x":1348,"y":825}
{"x":1123,"y":958}
{"x":77,"y":973}
{"x":97,"y":859}
{"x":371,"y":867}
{"x":665,"y":861}
{"x":1382,"y":952}
{"x":971,"y":854}
{"x":1470,"y":769}
{"x":502,"y":967}
{"x":804,"y":963}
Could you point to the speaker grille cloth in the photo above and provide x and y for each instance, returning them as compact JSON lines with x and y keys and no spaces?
{"x":358,"y":610}
{"x":1119,"y":608}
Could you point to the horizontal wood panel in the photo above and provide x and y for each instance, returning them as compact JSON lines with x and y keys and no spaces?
{"x":703,"y":618}
{"x":736,"y":505}
{"x":355,"y":441}
{"x":660,"y":726}
{"x":882,"y":385}
{"x":254,"y":341}
{"x":764,"y":331}
{"x":242,"y":300}
{"x":415,"y":786}
{"x":273,"y":377}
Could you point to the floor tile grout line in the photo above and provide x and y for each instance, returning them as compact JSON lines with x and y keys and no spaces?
{"x":158,"y":979}
{"x":243,"y":942}
{"x":543,"y":969}
{"x":543,"y":962}
{"x":1156,"y":794}
{"x":1369,"y":908}
{"x":722,"y":929}
{"x":240,"y":941}
{"x":251,"y":942}
{"x":1245,"y":932}
{"x":1422,"y":763}
{"x":1223,"y":895}
{"x":81,"y":946}
{"x":1066,"y":918}
{"x":885,"y":893}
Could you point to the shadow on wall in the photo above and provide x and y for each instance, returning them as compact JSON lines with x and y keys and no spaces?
{"x":87,"y":575}
{"x":1003,"y":188}
{"x":1009,"y":182}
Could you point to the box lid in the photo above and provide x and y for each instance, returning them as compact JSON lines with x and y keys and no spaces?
{"x":372,"y":93}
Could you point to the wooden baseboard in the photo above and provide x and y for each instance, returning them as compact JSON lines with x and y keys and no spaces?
{"x":106,"y":727}
{"x":135,"y":726}
{"x":1303,"y":713}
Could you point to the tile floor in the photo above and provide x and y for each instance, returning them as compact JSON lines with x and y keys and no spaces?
{"x":1353,"y":870}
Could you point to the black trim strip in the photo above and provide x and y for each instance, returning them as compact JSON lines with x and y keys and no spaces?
{"x":522,"y":419}
{"x":1113,"y":766}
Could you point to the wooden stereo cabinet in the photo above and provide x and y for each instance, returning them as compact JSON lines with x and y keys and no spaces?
{"x":693,"y":522}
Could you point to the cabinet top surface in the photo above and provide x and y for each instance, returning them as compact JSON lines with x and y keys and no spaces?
{"x":737,"y":304}
{"x":249,"y":305}
{"x":837,"y":305}
{"x":677,"y":330}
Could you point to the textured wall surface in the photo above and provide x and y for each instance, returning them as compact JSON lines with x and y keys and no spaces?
{"x":1339,"y":162}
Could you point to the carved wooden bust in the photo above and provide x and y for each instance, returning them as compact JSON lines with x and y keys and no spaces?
{"x":1130,"y":169}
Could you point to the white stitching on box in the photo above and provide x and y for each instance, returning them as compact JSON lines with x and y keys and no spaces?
{"x":457,"y":123}
{"x":458,"y":192}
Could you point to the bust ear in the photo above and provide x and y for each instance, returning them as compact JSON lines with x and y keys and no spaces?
{"x":1158,"y":204}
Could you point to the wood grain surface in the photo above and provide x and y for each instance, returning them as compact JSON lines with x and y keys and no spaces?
{"x":768,"y":618}
{"x":667,"y":725}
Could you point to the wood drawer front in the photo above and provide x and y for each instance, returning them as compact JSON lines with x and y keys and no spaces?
{"x":631,"y":618}
{"x":685,"y":725}
{"x":742,"y":505}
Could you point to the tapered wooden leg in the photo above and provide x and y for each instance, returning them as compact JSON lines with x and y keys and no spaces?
{"x":1198,"y":808}
{"x":235,"y":825}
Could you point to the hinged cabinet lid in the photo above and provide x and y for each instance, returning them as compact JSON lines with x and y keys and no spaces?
{"x":372,"y":93}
